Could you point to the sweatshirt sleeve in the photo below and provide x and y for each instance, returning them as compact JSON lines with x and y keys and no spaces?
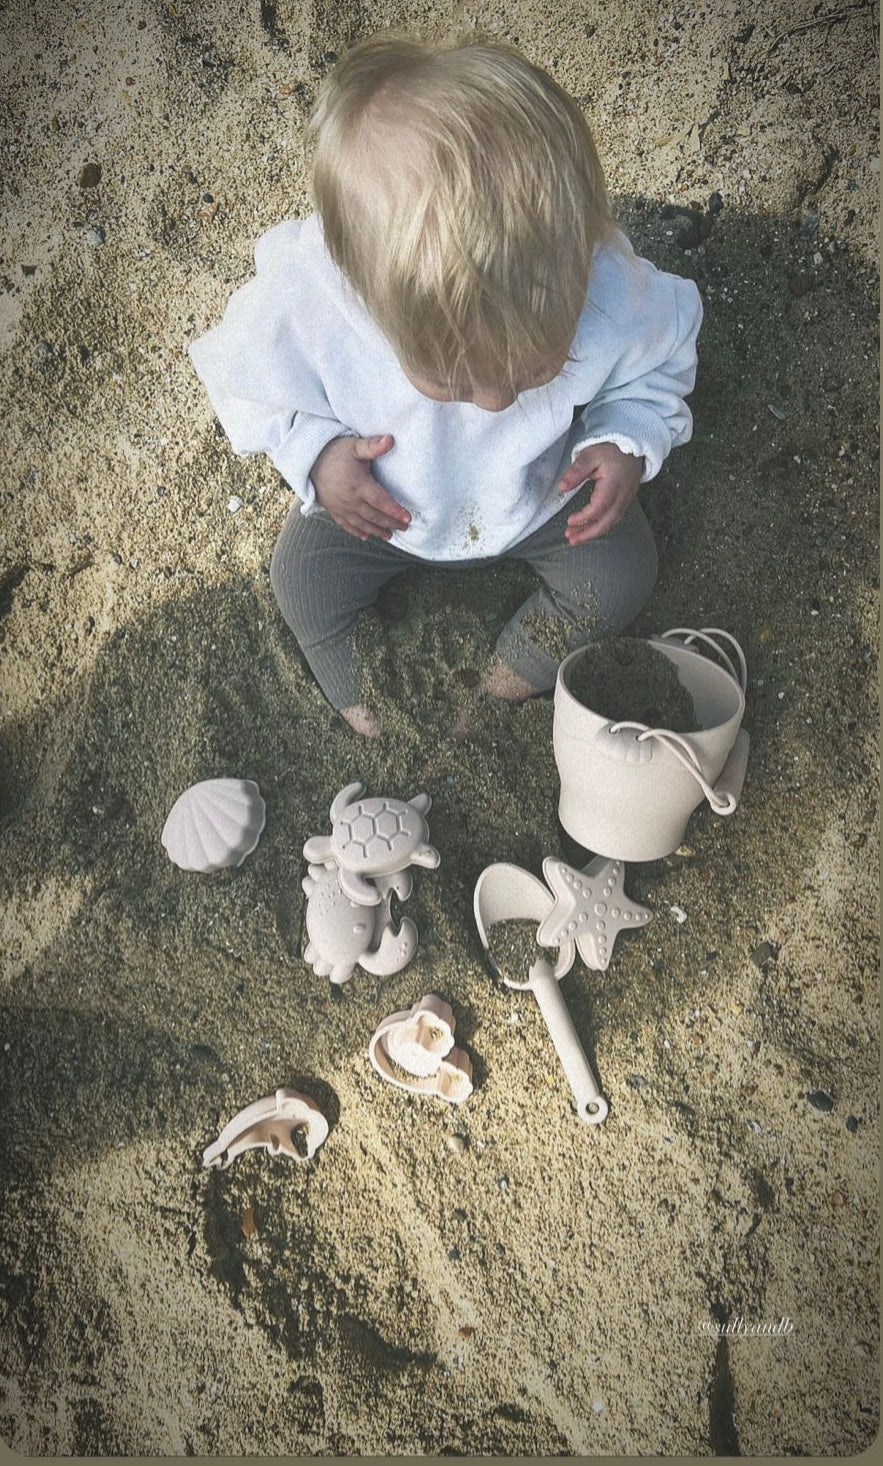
{"x":641,"y":407}
{"x":260,"y":373}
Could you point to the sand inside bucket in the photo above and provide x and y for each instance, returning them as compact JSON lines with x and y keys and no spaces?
{"x":628,"y":680}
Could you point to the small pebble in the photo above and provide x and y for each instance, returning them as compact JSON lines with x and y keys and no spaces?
{"x":597,"y":1406}
{"x":89,"y":175}
{"x":679,"y":914}
{"x":503,"y":1183}
{"x":457,"y":1143}
{"x":715,"y":203}
{"x":44,"y":351}
{"x":852,"y":1123}
{"x":861,"y":1349}
{"x":635,"y":1081}
{"x":234,"y":503}
{"x":95,"y":236}
{"x":819,"y":1100}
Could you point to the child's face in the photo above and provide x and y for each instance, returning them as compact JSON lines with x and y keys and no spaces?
{"x":491,"y":399}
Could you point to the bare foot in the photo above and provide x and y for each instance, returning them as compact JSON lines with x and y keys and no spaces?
{"x":362,"y":720}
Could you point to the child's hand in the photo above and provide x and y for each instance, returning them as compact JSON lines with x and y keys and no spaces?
{"x":348,"y":490}
{"x":617,"y":478}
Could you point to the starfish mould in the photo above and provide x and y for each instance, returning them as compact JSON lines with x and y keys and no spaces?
{"x":591,"y":909}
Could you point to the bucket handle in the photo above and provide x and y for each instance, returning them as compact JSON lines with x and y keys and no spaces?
{"x":684,"y":753}
{"x":706,"y":634}
{"x":678,"y":746}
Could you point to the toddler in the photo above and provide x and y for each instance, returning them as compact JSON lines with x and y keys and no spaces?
{"x":439,"y":356}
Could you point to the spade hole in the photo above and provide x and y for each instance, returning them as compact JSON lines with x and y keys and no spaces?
{"x":298,"y":1137}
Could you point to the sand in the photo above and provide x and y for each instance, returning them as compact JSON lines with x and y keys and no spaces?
{"x":495,"y":1279}
{"x":627,"y":679}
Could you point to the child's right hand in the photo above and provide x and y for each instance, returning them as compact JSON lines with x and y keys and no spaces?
{"x":348,"y":490}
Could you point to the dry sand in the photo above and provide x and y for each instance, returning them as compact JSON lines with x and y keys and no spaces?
{"x":538,"y":1287}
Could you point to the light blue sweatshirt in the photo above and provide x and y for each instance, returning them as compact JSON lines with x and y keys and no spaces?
{"x":297,"y":360}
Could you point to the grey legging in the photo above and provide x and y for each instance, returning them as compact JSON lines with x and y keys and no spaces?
{"x":324,"y":578}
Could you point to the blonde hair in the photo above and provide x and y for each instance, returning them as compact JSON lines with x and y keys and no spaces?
{"x":461,"y":195}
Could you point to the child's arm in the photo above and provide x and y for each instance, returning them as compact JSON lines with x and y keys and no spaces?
{"x":259,"y":366}
{"x":266,"y":397}
{"x":640,"y":414}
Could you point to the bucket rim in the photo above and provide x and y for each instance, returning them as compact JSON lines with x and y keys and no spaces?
{"x":674,"y":651}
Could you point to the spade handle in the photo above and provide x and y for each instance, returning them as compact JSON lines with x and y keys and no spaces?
{"x":591,"y":1106}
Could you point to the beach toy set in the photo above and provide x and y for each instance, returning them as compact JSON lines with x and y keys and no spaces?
{"x":627,"y":791}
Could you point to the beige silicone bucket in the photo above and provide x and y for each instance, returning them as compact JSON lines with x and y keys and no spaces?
{"x":628,"y":790}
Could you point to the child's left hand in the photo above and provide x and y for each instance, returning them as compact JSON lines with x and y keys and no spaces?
{"x":617,"y":478}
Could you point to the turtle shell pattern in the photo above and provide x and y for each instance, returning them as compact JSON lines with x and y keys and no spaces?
{"x":377,"y":836}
